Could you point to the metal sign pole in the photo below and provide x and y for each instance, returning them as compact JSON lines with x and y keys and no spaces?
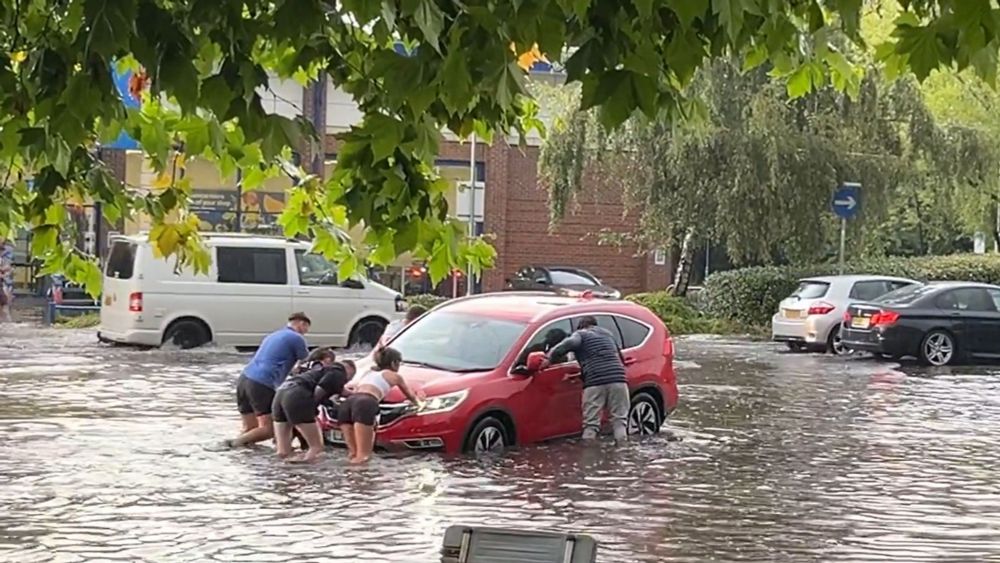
{"x":469,"y":279}
{"x":843,"y":243}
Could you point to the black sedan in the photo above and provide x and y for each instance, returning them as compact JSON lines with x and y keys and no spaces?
{"x":560,"y":279}
{"x":938,"y":323}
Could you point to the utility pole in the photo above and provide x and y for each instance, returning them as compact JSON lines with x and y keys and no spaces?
{"x":470,"y":280}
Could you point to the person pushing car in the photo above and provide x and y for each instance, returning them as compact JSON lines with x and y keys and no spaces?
{"x":602,"y":369}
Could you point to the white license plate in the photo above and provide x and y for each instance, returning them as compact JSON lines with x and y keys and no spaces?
{"x":792,"y":314}
{"x":860,"y":322}
{"x":335,"y":436}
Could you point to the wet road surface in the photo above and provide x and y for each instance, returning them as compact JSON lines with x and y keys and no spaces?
{"x":106,"y":454}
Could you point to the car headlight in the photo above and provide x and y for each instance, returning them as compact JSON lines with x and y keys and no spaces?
{"x":443,"y":403}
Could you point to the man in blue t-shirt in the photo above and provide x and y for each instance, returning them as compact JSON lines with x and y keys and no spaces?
{"x":274,"y":360}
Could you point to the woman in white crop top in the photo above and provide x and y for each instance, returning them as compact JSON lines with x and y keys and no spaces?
{"x":358,"y":414}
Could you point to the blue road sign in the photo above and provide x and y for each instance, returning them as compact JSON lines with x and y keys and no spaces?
{"x":124,"y":141}
{"x":847,"y":200}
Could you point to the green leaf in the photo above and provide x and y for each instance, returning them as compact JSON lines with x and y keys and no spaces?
{"x":730,"y":16}
{"x":850,"y":15}
{"x":685,"y":54}
{"x":689,"y":10}
{"x":386,"y":136}
{"x":644,"y":92}
{"x":430,"y":20}
{"x":348,"y":267}
{"x":580,"y":8}
{"x":385,"y":252}
{"x":439,"y":266}
{"x":755,"y":57}
{"x":644,"y":8}
{"x":456,"y":85}
{"x":924,"y":49}
{"x":180,"y":74}
{"x":800,"y":82}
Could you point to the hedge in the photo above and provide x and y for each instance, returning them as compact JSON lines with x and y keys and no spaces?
{"x":751,"y":295}
{"x":426,"y":300}
{"x":681,"y":316}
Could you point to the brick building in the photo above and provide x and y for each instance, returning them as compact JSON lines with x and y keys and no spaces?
{"x":508,"y":204}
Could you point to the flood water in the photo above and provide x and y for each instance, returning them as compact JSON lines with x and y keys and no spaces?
{"x":105,"y":454}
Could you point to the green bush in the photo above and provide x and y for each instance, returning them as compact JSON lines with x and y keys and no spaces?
{"x":750,"y":296}
{"x":680,"y":314}
{"x":86,"y":320}
{"x":426,"y":300}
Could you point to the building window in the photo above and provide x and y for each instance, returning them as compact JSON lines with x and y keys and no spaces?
{"x":660,"y":257}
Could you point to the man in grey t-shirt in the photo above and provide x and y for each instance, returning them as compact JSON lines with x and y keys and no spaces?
{"x":602,"y":369}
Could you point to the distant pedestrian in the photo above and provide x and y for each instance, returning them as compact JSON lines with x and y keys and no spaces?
{"x":6,"y":280}
{"x":296,"y":402}
{"x":278,"y":354}
{"x":412,"y":314}
{"x":602,"y":368}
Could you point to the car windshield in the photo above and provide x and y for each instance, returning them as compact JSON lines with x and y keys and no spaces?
{"x":811,"y":290}
{"x":565,"y":277}
{"x":906,"y":295}
{"x":458,"y":342}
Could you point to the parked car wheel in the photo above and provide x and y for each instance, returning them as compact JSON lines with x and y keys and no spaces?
{"x":835,"y":345}
{"x":488,"y":436}
{"x":938,"y":348}
{"x":367,"y":333}
{"x":644,"y":416}
{"x":187,"y":334}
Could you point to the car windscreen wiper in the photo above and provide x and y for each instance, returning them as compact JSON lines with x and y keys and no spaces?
{"x":425,"y":365}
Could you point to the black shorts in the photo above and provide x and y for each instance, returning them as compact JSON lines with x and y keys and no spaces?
{"x":360,"y":408}
{"x":294,"y":405}
{"x":252,"y":397}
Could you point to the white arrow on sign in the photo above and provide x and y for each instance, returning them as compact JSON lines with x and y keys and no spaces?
{"x":849,"y":203}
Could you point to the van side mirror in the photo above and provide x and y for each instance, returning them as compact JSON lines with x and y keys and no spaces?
{"x":536,"y":362}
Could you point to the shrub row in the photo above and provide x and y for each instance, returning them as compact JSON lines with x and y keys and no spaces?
{"x":681,"y":316}
{"x":426,"y":300}
{"x":750,"y":296}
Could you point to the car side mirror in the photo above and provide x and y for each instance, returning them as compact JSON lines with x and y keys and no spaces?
{"x":535,"y":362}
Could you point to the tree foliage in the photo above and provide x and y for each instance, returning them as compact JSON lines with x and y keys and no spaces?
{"x":207,"y":61}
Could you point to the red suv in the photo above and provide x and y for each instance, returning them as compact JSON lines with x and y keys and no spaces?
{"x":469,"y":356}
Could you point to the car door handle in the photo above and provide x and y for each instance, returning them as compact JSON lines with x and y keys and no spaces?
{"x":303,"y":292}
{"x":572,"y":376}
{"x":629,"y":361}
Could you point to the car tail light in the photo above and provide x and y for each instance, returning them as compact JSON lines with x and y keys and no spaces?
{"x":668,"y":348}
{"x":847,"y":316}
{"x":884,"y":318}
{"x":135,"y":302}
{"x":821,"y":308}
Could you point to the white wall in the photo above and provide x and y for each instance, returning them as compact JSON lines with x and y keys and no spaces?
{"x":283,"y":97}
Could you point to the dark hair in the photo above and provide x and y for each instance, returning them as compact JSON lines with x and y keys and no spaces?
{"x":586,"y":322}
{"x":385,"y":358}
{"x":299,"y":317}
{"x":320,"y":354}
{"x":349,"y":365}
{"x":414,"y":312}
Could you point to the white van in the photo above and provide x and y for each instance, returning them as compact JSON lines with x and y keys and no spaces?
{"x":254,"y":284}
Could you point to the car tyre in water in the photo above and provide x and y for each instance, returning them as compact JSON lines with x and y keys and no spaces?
{"x":187,"y":335}
{"x":835,"y":345}
{"x":644,"y":416}
{"x":367,"y":333}
{"x":938,"y":348}
{"x":795,"y":346}
{"x":489,"y":435}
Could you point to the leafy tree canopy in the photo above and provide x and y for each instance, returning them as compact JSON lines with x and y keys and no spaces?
{"x":208,"y":59}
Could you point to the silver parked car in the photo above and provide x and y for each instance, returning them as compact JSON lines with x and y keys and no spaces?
{"x":810,"y":318}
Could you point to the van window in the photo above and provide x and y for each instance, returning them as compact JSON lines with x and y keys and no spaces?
{"x":633,"y":333}
{"x":315,"y":269}
{"x":121,"y":260}
{"x":252,"y":265}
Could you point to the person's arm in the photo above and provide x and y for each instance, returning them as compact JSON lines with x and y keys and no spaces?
{"x":397,"y":380}
{"x":332,"y":383}
{"x":572,"y":343}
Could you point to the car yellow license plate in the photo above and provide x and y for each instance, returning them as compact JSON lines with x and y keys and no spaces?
{"x":860,"y":322}
{"x":793,"y":314}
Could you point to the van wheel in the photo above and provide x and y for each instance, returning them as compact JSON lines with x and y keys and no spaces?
{"x":367,"y":333}
{"x":186,"y":335}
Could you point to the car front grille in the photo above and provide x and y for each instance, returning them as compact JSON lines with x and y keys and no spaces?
{"x":391,"y":412}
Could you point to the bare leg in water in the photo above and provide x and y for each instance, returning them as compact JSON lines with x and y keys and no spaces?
{"x":249,"y":422}
{"x":283,"y":439}
{"x":261,"y":433}
{"x":347,"y":430}
{"x":364,"y":436}
{"x":314,"y":438}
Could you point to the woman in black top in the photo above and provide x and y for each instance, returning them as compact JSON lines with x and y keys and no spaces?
{"x":295,"y":405}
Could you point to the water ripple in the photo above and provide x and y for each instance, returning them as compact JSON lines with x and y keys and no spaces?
{"x":105,"y":454}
